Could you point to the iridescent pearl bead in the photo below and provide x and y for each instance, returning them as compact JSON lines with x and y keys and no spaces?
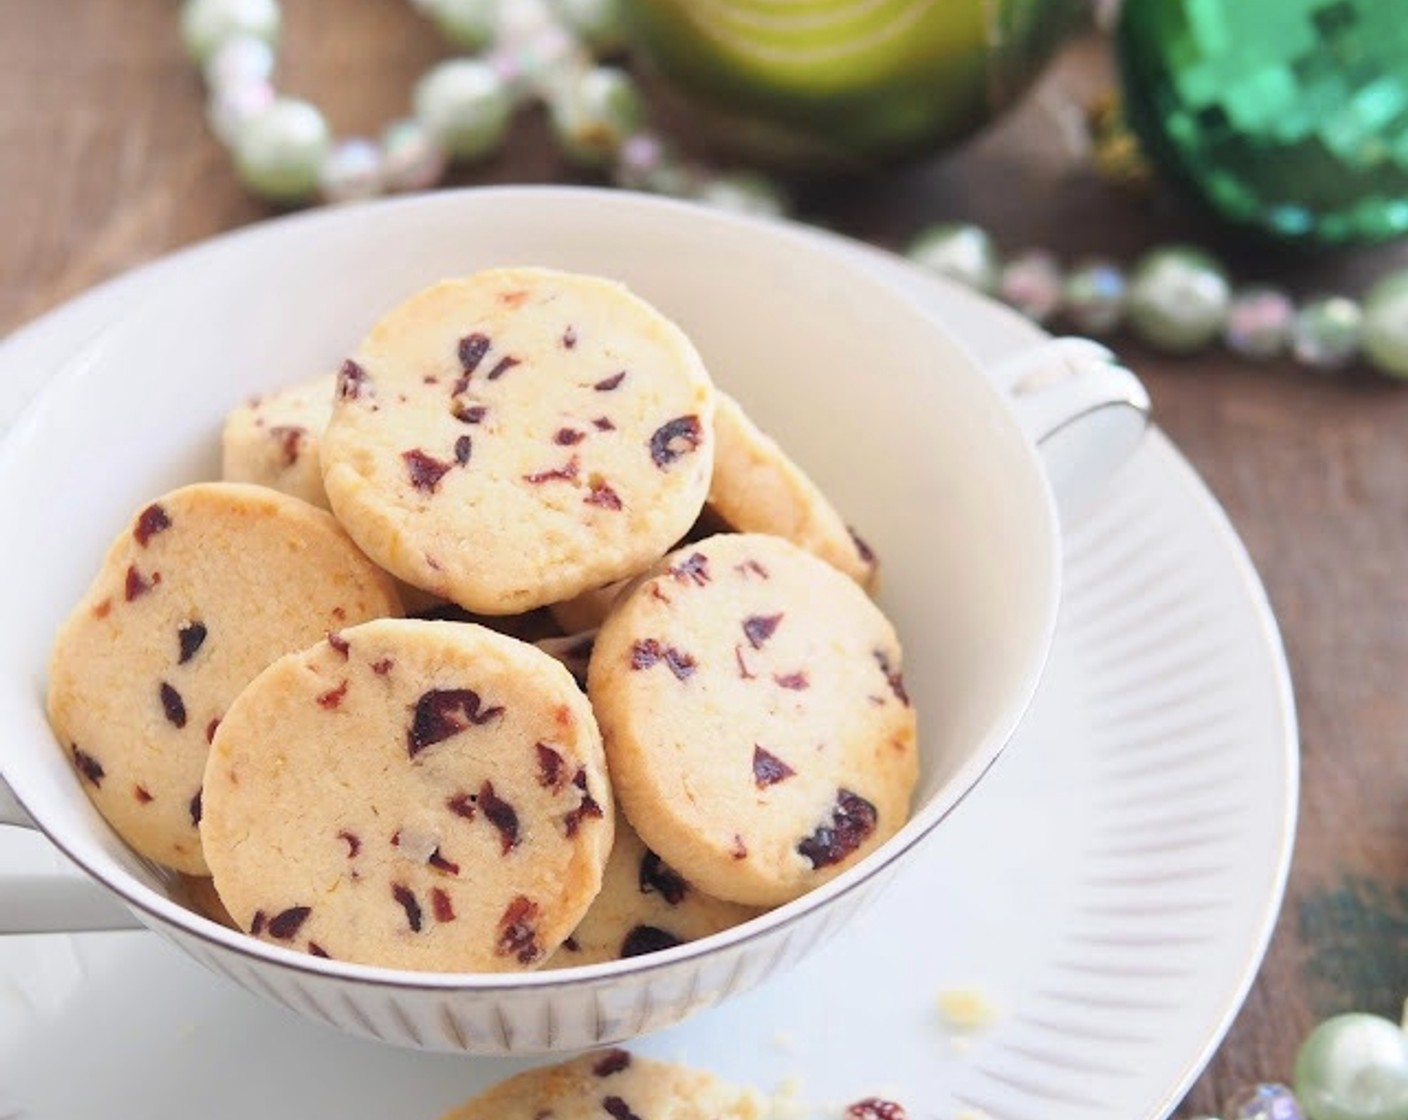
{"x":1267,"y":1101}
{"x":547,"y":63}
{"x":352,"y":171}
{"x":957,"y":251}
{"x":464,"y":106}
{"x":205,"y":24}
{"x":1354,"y":1067}
{"x":743,"y":193}
{"x":1259,"y":322}
{"x":648,"y":162}
{"x":593,"y":116}
{"x":229,"y":110}
{"x":1386,"y":325}
{"x":241,"y":60}
{"x":1178,"y":299}
{"x":411,"y":160}
{"x":1094,"y":297}
{"x":1326,"y":330}
{"x":280,"y":151}
{"x":599,"y":23}
{"x":468,"y":24}
{"x":1031,"y":283}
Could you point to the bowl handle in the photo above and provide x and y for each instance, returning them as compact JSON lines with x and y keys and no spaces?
{"x":1084,"y":410}
{"x":53,"y":902}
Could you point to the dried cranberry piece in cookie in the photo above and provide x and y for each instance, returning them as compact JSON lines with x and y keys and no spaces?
{"x":425,"y":471}
{"x":657,"y":875}
{"x":518,"y":932}
{"x":675,"y":439}
{"x":501,"y":815}
{"x":645,"y":939}
{"x":190,"y":637}
{"x":284,"y":926}
{"x":852,"y":821}
{"x":618,"y":1109}
{"x":406,"y":898}
{"x":444,"y":712}
{"x":873,"y":1108}
{"x":152,"y":521}
{"x":768,"y":769}
{"x":173,"y":705}
{"x":87,"y":765}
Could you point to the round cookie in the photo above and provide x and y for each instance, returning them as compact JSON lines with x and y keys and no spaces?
{"x":206,"y":587}
{"x":588,"y":610}
{"x":756,"y":724}
{"x":645,"y":905}
{"x":514,"y":438}
{"x":273,"y":439}
{"x":756,"y":488}
{"x":611,"y":1083}
{"x":411,"y":794}
{"x":573,"y":650}
{"x":199,"y":894}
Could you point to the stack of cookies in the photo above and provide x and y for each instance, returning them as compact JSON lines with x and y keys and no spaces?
{"x":719,"y":725}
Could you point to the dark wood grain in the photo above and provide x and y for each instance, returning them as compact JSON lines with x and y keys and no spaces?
{"x":105,"y":162}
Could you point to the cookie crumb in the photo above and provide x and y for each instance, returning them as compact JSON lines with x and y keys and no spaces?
{"x":786,"y":1101}
{"x":966,"y":1009}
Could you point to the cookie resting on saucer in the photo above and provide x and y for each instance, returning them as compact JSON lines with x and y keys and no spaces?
{"x":611,"y":1085}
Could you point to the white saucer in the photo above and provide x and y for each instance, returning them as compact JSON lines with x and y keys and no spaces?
{"x":1110,"y":887}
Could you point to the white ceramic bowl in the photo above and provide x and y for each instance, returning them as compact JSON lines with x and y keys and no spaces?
{"x":913,"y":442}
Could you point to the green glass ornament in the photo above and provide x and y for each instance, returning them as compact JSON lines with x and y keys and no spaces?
{"x":1285,"y":116}
{"x":1354,"y":1067}
{"x":833,"y":84}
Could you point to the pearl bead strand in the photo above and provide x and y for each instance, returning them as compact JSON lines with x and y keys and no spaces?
{"x":520,"y":51}
{"x":1178,"y":299}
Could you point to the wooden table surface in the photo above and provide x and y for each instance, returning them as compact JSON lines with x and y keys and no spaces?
{"x":105,"y":162}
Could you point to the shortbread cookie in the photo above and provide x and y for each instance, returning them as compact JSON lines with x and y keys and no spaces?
{"x":520,"y":436}
{"x":756,"y":723}
{"x":611,"y":1083}
{"x":412,"y":794}
{"x":273,"y":439}
{"x":588,"y":610}
{"x":645,"y":905}
{"x":206,"y":587}
{"x":198,"y":892}
{"x":573,"y":650}
{"x":757,"y":488}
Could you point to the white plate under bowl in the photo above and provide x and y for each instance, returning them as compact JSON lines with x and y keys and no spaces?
{"x":1109,"y":887}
